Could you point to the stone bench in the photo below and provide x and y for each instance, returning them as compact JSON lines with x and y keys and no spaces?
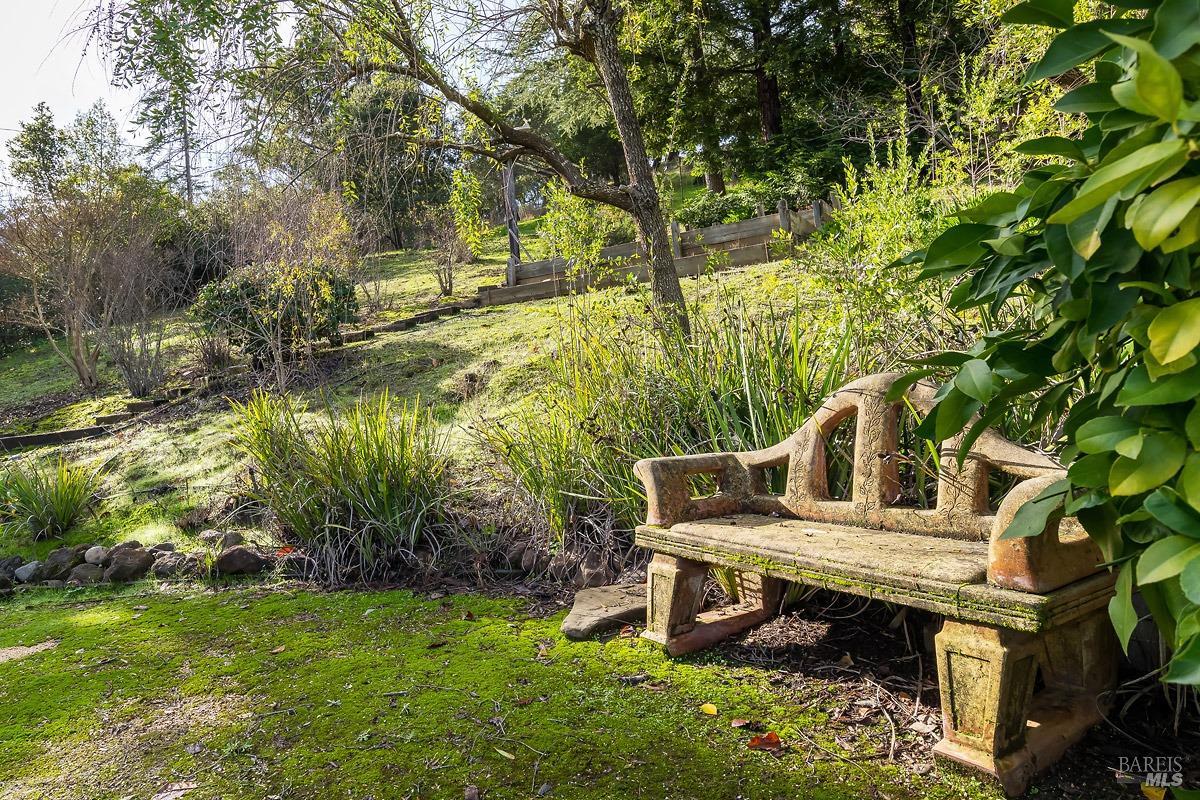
{"x":1015,"y":609}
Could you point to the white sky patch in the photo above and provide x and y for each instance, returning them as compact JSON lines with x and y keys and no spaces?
{"x":42,"y":59}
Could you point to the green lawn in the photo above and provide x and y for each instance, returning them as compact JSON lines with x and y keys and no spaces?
{"x":249,"y":693}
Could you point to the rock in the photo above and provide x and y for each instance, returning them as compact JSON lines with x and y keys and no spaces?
{"x":85,"y":574}
{"x":132,"y":544}
{"x":162,"y":547}
{"x":128,"y":564}
{"x":54,"y":584}
{"x":222,"y":540}
{"x":9,"y":565}
{"x":29,"y":573}
{"x":605,"y":608}
{"x":562,"y":565}
{"x":6,"y":585}
{"x":593,"y":571}
{"x":514,"y":554}
{"x":297,"y":565}
{"x":176,"y":565}
{"x":97,"y":555}
{"x":241,"y":560}
{"x":60,"y":562}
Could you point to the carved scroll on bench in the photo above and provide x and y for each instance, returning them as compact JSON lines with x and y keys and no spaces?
{"x":1018,"y":606}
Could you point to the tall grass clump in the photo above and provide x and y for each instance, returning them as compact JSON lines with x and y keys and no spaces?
{"x":623,"y":388}
{"x":361,"y":490}
{"x":45,"y":501}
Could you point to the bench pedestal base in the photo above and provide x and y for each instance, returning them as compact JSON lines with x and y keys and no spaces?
{"x":991,"y":718}
{"x":675,"y":587}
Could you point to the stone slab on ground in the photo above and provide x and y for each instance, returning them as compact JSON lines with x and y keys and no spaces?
{"x":605,"y":608}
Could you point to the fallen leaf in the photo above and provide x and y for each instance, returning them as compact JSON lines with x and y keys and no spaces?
{"x":471,"y":793}
{"x":278,"y":650}
{"x":286,"y":550}
{"x":175,"y":791}
{"x":1154,"y":792}
{"x":434,"y":645}
{"x":468,"y":617}
{"x":709,"y":708}
{"x":768,"y":741}
{"x":634,"y":680}
{"x":846,"y":661}
{"x":922,"y":727}
{"x":628,"y":632}
{"x":505,"y":753}
{"x":746,"y":724}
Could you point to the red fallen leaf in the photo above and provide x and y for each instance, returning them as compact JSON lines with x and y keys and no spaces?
{"x":468,"y":617}
{"x":768,"y":741}
{"x":285,"y":550}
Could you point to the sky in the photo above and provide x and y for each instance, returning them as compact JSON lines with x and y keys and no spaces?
{"x":41,"y":58}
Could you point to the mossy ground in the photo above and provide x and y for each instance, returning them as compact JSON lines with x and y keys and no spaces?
{"x":252,"y":693}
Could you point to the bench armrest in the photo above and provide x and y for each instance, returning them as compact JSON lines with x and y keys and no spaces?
{"x":1060,"y":555}
{"x":669,"y":493}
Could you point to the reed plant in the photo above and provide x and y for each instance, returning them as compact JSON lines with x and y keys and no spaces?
{"x":624,"y":388}
{"x":362,"y":490}
{"x":45,"y":501}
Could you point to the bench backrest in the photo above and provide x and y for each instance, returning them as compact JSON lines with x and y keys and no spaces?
{"x":962,"y":510}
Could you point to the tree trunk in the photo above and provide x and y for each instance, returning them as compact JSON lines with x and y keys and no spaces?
{"x":905,"y":25}
{"x":766,"y":85}
{"x":646,"y":209}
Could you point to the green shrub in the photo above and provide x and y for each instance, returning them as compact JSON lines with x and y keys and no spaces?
{"x":576,"y":230}
{"x":46,"y":501}
{"x":360,"y":490}
{"x":622,"y":389}
{"x":275,"y":312}
{"x":710,"y":208}
{"x":1101,"y":252}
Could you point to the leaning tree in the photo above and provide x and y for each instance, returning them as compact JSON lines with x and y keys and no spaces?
{"x":448,"y":48}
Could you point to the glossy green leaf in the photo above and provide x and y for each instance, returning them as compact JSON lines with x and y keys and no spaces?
{"x":1052,"y":146}
{"x":1139,"y":390}
{"x":1168,"y":508}
{"x":1166,"y":558}
{"x":1176,"y":27}
{"x":1031,"y":518}
{"x":974,"y":379}
{"x":1051,"y":13}
{"x":1184,"y":668}
{"x":1175,"y":332}
{"x":1188,"y":484}
{"x":1120,"y":608}
{"x":1090,"y":98}
{"x":1164,"y":210}
{"x":1091,"y":471}
{"x":1189,"y":581}
{"x":1081,"y":43}
{"x":1103,"y":433}
{"x":1111,"y":178}
{"x":957,"y":247}
{"x":1161,"y":456}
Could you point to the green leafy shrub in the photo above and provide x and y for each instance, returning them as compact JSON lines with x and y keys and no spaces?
{"x":885,"y":209}
{"x":1097,"y":250}
{"x":710,"y":208}
{"x":623,"y":389}
{"x":46,"y":501}
{"x":360,"y":490}
{"x":576,"y":230}
{"x":275,"y":312}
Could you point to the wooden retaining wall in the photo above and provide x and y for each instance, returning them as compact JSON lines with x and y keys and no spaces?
{"x":745,"y":242}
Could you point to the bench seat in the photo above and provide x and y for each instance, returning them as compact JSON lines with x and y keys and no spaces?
{"x":941,"y":575}
{"x":1026,"y":655}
